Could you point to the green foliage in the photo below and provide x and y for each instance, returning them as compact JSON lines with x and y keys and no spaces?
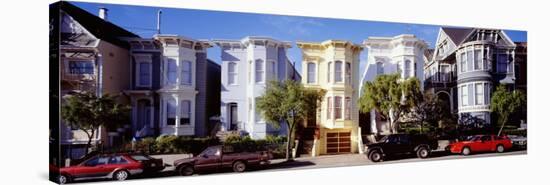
{"x":88,"y":112}
{"x":505,"y":103}
{"x":428,"y":111}
{"x":288,"y":103}
{"x":391,"y":96}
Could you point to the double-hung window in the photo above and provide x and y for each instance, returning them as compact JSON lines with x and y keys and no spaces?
{"x":259,"y":71}
{"x":185,"y":118}
{"x":348,"y":108}
{"x":338,"y":71}
{"x":479,"y":93}
{"x":232,"y":73}
{"x":311,"y":69}
{"x":337,"y":107}
{"x":144,"y":70}
{"x":186,"y":73}
{"x":170,"y":112}
{"x":464,"y":95}
{"x":502,"y":63}
{"x":329,"y":108}
{"x":463,"y":62}
{"x":171,"y":71}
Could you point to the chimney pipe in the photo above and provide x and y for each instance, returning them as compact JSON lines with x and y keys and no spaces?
{"x":158,"y":21}
{"x":103,"y":13}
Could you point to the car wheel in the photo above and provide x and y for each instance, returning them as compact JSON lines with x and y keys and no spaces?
{"x":422,"y":152}
{"x":466,"y":151}
{"x":62,"y":179}
{"x":500,"y":148}
{"x":375,"y":156}
{"x":120,"y":175}
{"x":239,"y":166}
{"x":186,"y":170}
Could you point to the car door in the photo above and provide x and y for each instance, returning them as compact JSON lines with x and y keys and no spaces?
{"x":116,"y":162}
{"x":93,"y":167}
{"x":476,"y":144}
{"x":487,"y":143}
{"x":392,"y":145}
{"x":209,"y":159}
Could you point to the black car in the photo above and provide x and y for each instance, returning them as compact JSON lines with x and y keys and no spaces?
{"x":396,"y":144}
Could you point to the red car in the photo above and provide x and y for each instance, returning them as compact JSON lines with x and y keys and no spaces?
{"x":481,"y":143}
{"x":113,"y":166}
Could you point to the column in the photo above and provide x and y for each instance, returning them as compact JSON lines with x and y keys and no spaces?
{"x":178,"y":111}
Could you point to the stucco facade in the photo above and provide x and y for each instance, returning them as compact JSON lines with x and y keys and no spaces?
{"x":247,"y":66}
{"x":333,"y":65}
{"x":403,"y":55}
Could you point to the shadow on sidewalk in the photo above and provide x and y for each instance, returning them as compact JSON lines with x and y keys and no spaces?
{"x":290,"y":164}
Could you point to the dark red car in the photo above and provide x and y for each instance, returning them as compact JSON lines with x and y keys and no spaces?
{"x":111,"y":166}
{"x":216,"y":158}
{"x":481,"y":143}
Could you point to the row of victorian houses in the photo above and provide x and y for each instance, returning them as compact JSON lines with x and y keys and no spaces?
{"x":174,"y":89}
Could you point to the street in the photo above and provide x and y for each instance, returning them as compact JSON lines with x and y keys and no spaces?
{"x":327,"y":161}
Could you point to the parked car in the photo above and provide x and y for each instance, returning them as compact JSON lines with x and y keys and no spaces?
{"x":109,"y":166}
{"x":518,"y":142}
{"x":481,"y":143}
{"x":222,"y":157}
{"x":396,"y":144}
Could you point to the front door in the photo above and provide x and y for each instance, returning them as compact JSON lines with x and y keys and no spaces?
{"x":338,"y":142}
{"x":233,"y":118}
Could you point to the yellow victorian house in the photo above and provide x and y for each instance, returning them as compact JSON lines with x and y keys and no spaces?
{"x":333,"y":65}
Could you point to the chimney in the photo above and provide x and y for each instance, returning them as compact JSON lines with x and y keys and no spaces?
{"x":103,"y":13}
{"x":158,"y":21}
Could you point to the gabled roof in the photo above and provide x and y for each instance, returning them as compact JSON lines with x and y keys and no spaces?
{"x":98,"y":27}
{"x":457,"y":35}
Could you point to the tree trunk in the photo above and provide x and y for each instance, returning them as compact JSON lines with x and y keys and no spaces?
{"x":89,"y":143}
{"x":503,"y":121}
{"x":289,"y":142}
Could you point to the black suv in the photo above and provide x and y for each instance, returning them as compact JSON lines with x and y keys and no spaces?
{"x":395,"y":144}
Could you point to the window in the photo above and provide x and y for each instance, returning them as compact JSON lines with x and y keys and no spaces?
{"x":348,"y":108}
{"x":232,"y":73}
{"x":185,"y":118}
{"x":487,"y":91}
{"x":444,"y":73}
{"x":273,"y":70}
{"x":329,"y":71}
{"x":463,"y":62}
{"x":329,"y":108}
{"x":478,"y":60}
{"x":172,"y":71}
{"x":117,"y":160}
{"x":407,"y":69}
{"x":144,"y":74}
{"x":170,"y":112}
{"x":260,"y":71}
{"x":379,"y":68}
{"x":464,"y":96}
{"x":348,"y":73}
{"x":338,"y":71}
{"x":470,"y":59}
{"x":337,"y":107}
{"x":479,"y":93}
{"x":414,"y":70}
{"x":502,"y":65}
{"x":186,"y":73}
{"x":81,"y":67}
{"x":311,"y":68}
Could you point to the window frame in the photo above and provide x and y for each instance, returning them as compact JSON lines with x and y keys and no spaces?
{"x":478,"y":100}
{"x":70,"y":71}
{"x":464,"y":96}
{"x":232,"y":75}
{"x":338,"y":74}
{"x":169,"y":70}
{"x":182,"y":112}
{"x":186,"y":73}
{"x":311,"y":73}
{"x":261,"y":71}
{"x":337,"y":107}
{"x":140,"y":59}
{"x":168,"y":103}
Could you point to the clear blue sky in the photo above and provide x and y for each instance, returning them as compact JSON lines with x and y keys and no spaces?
{"x":202,"y":24}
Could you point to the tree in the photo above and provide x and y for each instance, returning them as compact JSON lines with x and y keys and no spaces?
{"x":391,"y":96}
{"x":505,"y":103}
{"x":428,"y":109}
{"x":88,"y":113}
{"x":288,"y":103}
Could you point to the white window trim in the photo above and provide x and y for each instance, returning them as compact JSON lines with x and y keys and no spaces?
{"x":482,"y":94}
{"x":342,"y":71}
{"x":262,"y":80}
{"x":190,"y":111}
{"x":181,"y":68}
{"x":235,"y":72}
{"x":314,"y":73}
{"x":143,"y":58}
{"x":462,"y":95}
{"x":166,"y":80}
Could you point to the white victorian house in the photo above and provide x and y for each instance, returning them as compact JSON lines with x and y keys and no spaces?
{"x":402,"y":54}
{"x":247,"y":65}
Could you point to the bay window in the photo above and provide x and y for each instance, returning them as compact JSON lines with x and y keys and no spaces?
{"x":338,"y":71}
{"x":170,"y":112}
{"x":348,"y":108}
{"x":464,"y":95}
{"x":329,"y":108}
{"x":259,"y":71}
{"x":231,"y":73}
{"x":311,"y":69}
{"x":337,"y":107}
{"x":171,"y":71}
{"x":479,"y":93}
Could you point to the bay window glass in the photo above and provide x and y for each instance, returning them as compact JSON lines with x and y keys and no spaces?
{"x":311,"y":69}
{"x":260,"y":71}
{"x":186,"y":73}
{"x":171,"y":71}
{"x":337,"y":107}
{"x":232,"y":73}
{"x":338,"y":71}
{"x":170,"y":112}
{"x":185,"y":117}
